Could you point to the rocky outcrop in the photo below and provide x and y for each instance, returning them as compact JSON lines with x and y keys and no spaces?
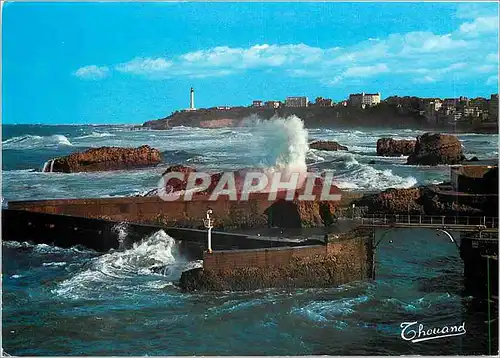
{"x":392,"y":201}
{"x":429,"y":200}
{"x":276,"y":212}
{"x":435,"y":148}
{"x":388,"y":147}
{"x":175,"y":184}
{"x":487,"y":183}
{"x":327,"y":145}
{"x":105,"y":158}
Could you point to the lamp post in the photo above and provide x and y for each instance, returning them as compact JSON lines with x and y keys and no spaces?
{"x":353,"y":206}
{"x":209,"y":225}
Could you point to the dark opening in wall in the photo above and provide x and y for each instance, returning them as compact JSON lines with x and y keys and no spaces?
{"x":283,"y":214}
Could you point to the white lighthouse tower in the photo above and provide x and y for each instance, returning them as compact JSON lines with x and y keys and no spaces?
{"x":191,"y":100}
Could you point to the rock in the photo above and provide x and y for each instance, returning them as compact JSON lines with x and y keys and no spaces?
{"x":392,"y":201}
{"x":372,"y":162}
{"x":106,"y":158}
{"x":327,"y":145}
{"x":432,"y":200}
{"x":388,"y":147}
{"x":436,"y":148}
{"x":174,"y":184}
{"x":475,"y":183}
{"x":474,"y":159}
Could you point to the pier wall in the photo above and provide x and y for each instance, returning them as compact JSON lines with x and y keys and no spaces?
{"x":257,"y":212}
{"x":343,"y":259}
{"x":236,"y":259}
{"x":103,"y":235}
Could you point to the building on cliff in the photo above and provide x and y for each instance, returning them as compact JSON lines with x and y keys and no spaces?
{"x":493,"y":110}
{"x":272,"y":104}
{"x":256,"y":103}
{"x":323,"y":102}
{"x":296,"y":102}
{"x":364,"y":99}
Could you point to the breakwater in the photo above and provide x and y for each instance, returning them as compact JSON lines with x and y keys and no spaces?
{"x":341,"y":259}
{"x":256,"y":212}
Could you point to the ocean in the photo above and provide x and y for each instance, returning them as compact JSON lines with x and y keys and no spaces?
{"x":80,"y":302}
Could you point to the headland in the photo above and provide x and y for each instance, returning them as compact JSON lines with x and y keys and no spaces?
{"x":458,"y":115}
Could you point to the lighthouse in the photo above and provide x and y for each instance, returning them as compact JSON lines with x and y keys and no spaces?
{"x":191,"y":100}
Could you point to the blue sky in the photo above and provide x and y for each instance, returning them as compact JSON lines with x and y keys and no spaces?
{"x":100,"y":63}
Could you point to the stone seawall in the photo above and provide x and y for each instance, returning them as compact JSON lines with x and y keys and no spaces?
{"x":257,"y":212}
{"x":343,"y":259}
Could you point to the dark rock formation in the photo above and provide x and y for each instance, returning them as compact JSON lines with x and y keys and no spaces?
{"x":435,"y":148}
{"x":277,"y":212}
{"x":175,"y":184}
{"x":482,"y":184}
{"x":431,"y":200}
{"x":388,"y":147}
{"x":327,"y":145}
{"x":392,"y":201}
{"x":106,"y":158}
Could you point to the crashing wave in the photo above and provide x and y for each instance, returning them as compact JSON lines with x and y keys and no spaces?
{"x":156,"y":256}
{"x":34,"y":141}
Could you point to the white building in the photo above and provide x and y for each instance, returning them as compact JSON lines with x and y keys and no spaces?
{"x":296,"y":102}
{"x":364,"y":99}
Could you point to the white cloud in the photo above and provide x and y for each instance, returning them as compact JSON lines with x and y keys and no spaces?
{"x":92,"y":72}
{"x":427,"y":42}
{"x":492,"y":57}
{"x":480,"y":26}
{"x":419,"y":57}
{"x":366,"y":71}
{"x":486,"y":68}
{"x":477,"y":9}
{"x":145,"y":66}
{"x":425,"y":79}
{"x":492,"y":80}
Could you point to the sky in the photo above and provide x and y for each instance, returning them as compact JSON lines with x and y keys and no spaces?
{"x":113,"y":63}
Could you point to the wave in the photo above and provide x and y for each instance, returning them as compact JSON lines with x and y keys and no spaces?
{"x":325,"y":311}
{"x":283,"y":141}
{"x":34,"y":141}
{"x":47,"y":249}
{"x":59,"y":263}
{"x":349,"y":173}
{"x":97,"y":135}
{"x":156,"y":256}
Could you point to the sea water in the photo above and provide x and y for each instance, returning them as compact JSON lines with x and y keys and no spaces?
{"x":125,"y":302}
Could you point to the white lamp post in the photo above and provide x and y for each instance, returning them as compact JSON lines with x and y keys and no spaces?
{"x":209,"y":225}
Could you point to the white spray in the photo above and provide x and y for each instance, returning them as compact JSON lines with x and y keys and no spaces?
{"x":46,"y":166}
{"x":156,"y":259}
{"x":285,"y":139}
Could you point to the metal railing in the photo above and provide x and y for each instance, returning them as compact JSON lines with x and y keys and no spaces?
{"x":417,"y":220}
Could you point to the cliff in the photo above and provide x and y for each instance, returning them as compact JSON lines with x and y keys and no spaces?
{"x":383,"y":115}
